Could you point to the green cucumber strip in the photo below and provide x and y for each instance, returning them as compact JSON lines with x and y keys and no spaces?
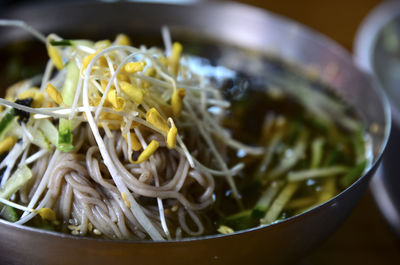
{"x":333,"y":156}
{"x":15,"y":182}
{"x":316,"y":152}
{"x":68,"y":94}
{"x":65,"y":136}
{"x":61,"y":43}
{"x":266,"y":199}
{"x":359,"y":145}
{"x":40,"y":140}
{"x":8,"y":213}
{"x":49,"y":131}
{"x":239,"y":221}
{"x":87,"y":43}
{"x":304,"y":174}
{"x":279,"y":203}
{"x":6,"y":121}
{"x":353,"y":174}
{"x":70,"y":84}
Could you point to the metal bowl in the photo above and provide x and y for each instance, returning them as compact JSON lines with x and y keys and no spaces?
{"x":377,"y":51}
{"x":234,"y":25}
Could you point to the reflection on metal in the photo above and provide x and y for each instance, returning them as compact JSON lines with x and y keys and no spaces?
{"x":384,"y":201}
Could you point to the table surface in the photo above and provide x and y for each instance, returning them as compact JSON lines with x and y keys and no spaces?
{"x":338,"y":19}
{"x":365,"y":238}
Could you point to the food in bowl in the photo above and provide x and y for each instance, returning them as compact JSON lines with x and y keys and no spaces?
{"x":121,"y":142}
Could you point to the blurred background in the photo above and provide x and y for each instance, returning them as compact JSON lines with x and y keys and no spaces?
{"x":365,"y":238}
{"x":338,"y":19}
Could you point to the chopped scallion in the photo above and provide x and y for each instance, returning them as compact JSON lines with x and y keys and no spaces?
{"x":61,"y":42}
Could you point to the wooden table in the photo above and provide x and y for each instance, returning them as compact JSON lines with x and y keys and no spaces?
{"x":364,"y":238}
{"x":338,"y":19}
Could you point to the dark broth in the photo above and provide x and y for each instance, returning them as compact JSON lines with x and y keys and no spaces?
{"x":338,"y":149}
{"x":259,"y":101}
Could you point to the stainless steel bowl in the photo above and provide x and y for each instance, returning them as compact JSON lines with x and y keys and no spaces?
{"x":377,"y":51}
{"x":233,"y":24}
